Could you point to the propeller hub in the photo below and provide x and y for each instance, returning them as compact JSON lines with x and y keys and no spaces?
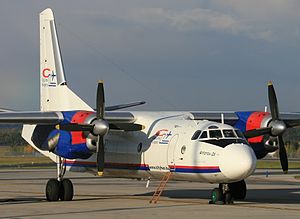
{"x":278,"y":127}
{"x":101,"y":127}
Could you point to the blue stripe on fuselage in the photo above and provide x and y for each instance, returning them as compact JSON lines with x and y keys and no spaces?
{"x":145,"y":168}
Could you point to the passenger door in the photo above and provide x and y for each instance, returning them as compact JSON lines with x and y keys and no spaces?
{"x":171,"y":151}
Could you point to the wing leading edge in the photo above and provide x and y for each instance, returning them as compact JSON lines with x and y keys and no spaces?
{"x":53,"y":118}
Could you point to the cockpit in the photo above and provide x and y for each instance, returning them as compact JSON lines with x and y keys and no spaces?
{"x":220,"y":136}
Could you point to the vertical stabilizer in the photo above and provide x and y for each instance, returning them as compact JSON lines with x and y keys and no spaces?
{"x":54,"y":92}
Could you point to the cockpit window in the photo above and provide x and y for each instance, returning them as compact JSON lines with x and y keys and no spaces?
{"x":215,"y":134}
{"x":228,"y":133}
{"x":204,"y":134}
{"x":239,"y":133}
{"x":196,"y":135}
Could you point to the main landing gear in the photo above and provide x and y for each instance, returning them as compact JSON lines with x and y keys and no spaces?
{"x":226,"y":193}
{"x":59,"y":188}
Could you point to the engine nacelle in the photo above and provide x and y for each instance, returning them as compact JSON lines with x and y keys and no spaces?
{"x":254,"y":120}
{"x":271,"y":144}
{"x":66,"y":144}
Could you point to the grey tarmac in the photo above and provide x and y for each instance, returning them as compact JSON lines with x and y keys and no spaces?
{"x":22,"y":196}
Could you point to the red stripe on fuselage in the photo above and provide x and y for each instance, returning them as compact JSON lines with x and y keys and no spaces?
{"x":79,"y":117}
{"x":194,"y":167}
{"x":254,"y":122}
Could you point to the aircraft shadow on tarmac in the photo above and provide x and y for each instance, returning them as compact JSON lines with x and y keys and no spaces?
{"x":20,"y":200}
{"x":263,"y":196}
{"x":276,"y":196}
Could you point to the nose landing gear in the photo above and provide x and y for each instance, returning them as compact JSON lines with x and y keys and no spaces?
{"x":226,"y":193}
{"x":59,"y":188}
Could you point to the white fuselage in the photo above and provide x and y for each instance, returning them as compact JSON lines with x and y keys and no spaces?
{"x":165,"y":145}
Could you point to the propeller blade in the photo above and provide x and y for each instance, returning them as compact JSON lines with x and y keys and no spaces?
{"x":126,"y":127}
{"x":283,"y":155}
{"x":257,"y":132}
{"x":100,"y":101}
{"x":74,"y":127}
{"x":292,"y":123}
{"x":273,"y":102}
{"x":100,"y":155}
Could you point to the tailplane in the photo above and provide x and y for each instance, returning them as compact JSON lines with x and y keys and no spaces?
{"x":54,"y":92}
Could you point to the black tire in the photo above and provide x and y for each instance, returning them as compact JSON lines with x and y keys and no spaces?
{"x":238,"y":190}
{"x":216,"y":195}
{"x":52,"y":190}
{"x":228,"y":198}
{"x":66,"y":190}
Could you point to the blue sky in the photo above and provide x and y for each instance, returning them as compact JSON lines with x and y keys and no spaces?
{"x":176,"y":55}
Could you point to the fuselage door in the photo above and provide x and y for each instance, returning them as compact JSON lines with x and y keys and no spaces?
{"x":171,"y":151}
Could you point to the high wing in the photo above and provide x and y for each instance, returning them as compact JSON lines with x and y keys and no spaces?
{"x":5,"y":110}
{"x":54,"y":118}
{"x":231,"y":117}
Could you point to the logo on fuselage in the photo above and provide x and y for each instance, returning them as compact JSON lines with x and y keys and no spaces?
{"x":163,"y":136}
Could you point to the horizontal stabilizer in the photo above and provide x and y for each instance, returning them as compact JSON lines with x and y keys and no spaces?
{"x":124,"y":106}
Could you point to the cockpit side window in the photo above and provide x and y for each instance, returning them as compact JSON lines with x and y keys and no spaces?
{"x":215,"y":134}
{"x":204,"y":134}
{"x":239,"y":133}
{"x":228,"y":133}
{"x":196,"y":135}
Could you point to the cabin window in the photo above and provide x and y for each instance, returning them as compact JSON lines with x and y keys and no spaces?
{"x":196,"y":135}
{"x":215,"y":134}
{"x":228,"y":133}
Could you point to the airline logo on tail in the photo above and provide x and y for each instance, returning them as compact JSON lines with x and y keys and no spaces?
{"x":48,"y":78}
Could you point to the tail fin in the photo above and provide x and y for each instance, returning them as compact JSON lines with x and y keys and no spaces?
{"x":54,"y":92}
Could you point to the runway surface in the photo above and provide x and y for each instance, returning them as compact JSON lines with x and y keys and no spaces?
{"x":22,"y":196}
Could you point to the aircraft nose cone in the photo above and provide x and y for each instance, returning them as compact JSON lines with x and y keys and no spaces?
{"x":237,"y":162}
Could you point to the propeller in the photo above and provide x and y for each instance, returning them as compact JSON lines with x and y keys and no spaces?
{"x":276,"y":128}
{"x":99,"y":127}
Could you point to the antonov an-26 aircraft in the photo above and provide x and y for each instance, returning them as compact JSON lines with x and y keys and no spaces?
{"x":214,"y":147}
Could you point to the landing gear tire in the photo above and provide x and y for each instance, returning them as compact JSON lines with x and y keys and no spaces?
{"x":66,"y":190}
{"x":238,"y":190}
{"x":52,"y":190}
{"x":228,"y":199}
{"x":216,"y":196}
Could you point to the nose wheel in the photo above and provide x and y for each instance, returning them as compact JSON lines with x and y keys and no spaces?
{"x":220,"y":197}
{"x":226,"y":193}
{"x":59,"y":188}
{"x":238,"y":190}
